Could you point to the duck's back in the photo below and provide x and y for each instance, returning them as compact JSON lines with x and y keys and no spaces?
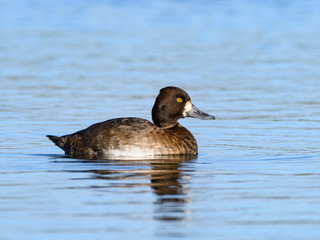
{"x":133,"y":137}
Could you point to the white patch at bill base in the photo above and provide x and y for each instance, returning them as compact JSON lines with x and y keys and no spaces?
{"x":187,"y":108}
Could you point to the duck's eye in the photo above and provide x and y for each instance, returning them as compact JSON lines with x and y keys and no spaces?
{"x":179,"y":99}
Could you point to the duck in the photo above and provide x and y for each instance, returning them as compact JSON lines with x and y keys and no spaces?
{"x":137,"y":137}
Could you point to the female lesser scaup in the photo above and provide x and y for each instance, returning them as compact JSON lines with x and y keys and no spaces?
{"x":136,"y":137}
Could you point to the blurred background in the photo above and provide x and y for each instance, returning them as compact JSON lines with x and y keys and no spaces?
{"x":94,"y":60}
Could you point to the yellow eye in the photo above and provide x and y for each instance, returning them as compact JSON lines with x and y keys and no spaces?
{"x":179,"y":99}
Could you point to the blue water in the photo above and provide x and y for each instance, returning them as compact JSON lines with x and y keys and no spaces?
{"x":65,"y":65}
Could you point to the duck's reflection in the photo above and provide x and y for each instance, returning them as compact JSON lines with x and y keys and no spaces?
{"x":169,"y":179}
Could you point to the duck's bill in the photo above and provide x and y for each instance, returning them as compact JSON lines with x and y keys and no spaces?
{"x":196,"y":113}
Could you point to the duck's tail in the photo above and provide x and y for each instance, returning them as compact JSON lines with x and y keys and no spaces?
{"x":59,"y":141}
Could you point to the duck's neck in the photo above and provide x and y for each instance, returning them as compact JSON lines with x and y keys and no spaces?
{"x":180,"y":130}
{"x":164,"y":122}
{"x":170,"y":126}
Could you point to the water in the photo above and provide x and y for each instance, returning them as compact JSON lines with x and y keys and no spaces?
{"x":253,"y":64}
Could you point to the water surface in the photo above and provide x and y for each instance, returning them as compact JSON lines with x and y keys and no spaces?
{"x":65,"y":65}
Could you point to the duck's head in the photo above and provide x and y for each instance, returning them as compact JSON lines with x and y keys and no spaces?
{"x":173,"y":103}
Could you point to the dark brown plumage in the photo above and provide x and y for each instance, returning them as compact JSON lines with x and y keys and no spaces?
{"x":136,"y":137}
